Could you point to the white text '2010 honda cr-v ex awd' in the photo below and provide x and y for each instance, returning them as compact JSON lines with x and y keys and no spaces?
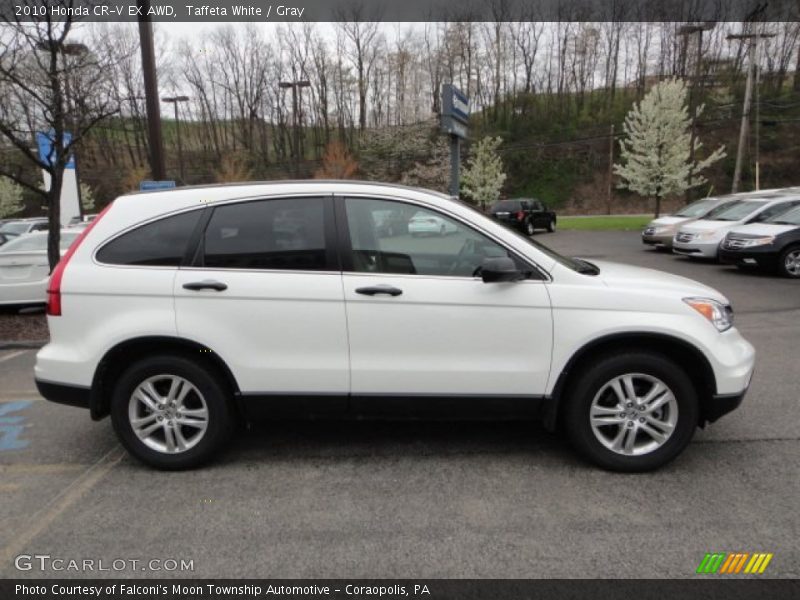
{"x":180,"y":312}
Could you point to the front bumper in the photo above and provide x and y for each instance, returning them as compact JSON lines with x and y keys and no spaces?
{"x":764,"y":257}
{"x":658,"y":240}
{"x":720,"y":405}
{"x":696,"y":249}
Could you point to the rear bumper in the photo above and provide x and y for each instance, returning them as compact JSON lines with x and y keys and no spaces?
{"x":29,"y":292}
{"x":60,"y":393}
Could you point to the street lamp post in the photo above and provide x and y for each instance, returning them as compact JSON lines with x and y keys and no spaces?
{"x":174,"y":100}
{"x":297,"y":87}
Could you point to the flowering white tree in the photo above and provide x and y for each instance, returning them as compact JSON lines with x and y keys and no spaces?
{"x":10,"y":197}
{"x":483,"y":178}
{"x":87,"y":197}
{"x":656,"y":152}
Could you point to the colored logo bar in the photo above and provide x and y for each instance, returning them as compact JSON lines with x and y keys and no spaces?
{"x":734,"y":562}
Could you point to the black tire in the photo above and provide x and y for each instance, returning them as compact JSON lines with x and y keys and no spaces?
{"x":220,"y":421}
{"x":551,"y":226}
{"x":529,"y":228}
{"x":783,"y":267}
{"x":582,"y":391}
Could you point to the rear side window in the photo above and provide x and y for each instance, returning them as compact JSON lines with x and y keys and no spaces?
{"x":285,"y":234}
{"x":161,"y":243}
{"x":506,"y":205}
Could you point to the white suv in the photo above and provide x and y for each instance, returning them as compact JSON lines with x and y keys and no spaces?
{"x":181,"y":312}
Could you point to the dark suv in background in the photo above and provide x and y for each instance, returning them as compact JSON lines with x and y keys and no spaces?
{"x":524,"y":214}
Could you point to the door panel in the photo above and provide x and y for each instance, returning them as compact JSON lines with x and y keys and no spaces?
{"x":447,"y":332}
{"x":279,"y":322}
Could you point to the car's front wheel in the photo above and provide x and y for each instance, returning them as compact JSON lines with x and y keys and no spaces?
{"x":170,"y":412}
{"x":631,"y":412}
{"x":551,"y":226}
{"x":789,"y":262}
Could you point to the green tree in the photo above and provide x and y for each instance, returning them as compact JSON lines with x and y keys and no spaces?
{"x":656,"y":152}
{"x":484,"y":176}
{"x":10,"y":197}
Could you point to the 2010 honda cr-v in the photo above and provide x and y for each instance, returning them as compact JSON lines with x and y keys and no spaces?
{"x":180,"y":312}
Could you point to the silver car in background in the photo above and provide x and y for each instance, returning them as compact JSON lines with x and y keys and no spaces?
{"x":659,"y":232}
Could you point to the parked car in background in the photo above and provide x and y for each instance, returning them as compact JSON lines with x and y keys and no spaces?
{"x":76,"y":221}
{"x":177,"y":317}
{"x":659,"y":232}
{"x":702,"y":238}
{"x":771,"y":245}
{"x":24,"y":269}
{"x":424,"y":223}
{"x":524,"y":214}
{"x":22,"y":226}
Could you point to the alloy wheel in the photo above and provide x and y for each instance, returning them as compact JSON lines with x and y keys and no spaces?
{"x":633,"y":414}
{"x":168,"y":414}
{"x":792,"y":263}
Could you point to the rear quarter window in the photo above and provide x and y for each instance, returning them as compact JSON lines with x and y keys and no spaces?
{"x":161,"y":243}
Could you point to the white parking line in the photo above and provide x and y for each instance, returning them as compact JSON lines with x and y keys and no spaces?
{"x":13,"y":355}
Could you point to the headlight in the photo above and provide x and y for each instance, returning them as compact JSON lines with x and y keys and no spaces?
{"x":706,"y":235}
{"x":718,"y":314}
{"x":762,"y":241}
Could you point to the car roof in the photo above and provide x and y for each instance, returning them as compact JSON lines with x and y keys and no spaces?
{"x":226,"y":191}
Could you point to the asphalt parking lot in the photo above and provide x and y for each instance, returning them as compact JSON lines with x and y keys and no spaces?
{"x":431,"y":500}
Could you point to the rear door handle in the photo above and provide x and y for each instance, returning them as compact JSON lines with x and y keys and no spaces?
{"x":205,"y":285}
{"x":379,"y":289}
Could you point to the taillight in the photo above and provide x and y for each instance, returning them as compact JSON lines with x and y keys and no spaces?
{"x":520,"y":215}
{"x":54,"y":287}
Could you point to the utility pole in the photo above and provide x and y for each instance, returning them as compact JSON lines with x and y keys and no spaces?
{"x":695,"y":89}
{"x":151,"y":92}
{"x":296,"y":87}
{"x":174,"y":100}
{"x":752,"y":39}
{"x":610,"y":168}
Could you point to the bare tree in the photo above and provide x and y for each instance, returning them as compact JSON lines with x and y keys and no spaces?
{"x":37,"y":69}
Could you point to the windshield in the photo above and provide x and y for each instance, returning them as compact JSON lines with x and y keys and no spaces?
{"x":16,"y":227}
{"x":791,"y":217}
{"x":735,"y":211}
{"x":505,"y":205}
{"x":698,"y":209}
{"x":37,"y":242}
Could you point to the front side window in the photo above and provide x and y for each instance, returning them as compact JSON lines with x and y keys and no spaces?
{"x":427,"y":242}
{"x":162,"y":243}
{"x":285,"y":233}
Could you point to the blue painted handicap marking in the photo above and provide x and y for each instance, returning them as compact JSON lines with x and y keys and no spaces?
{"x":12,"y":427}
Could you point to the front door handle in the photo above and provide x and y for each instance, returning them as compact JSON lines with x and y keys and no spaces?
{"x":205,"y":285}
{"x":379,"y":289}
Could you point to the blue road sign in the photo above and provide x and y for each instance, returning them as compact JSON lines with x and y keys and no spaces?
{"x":150,"y":186}
{"x":45,"y":143}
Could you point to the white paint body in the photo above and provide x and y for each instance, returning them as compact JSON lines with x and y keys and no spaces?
{"x":309,"y":332}
{"x":24,"y":273}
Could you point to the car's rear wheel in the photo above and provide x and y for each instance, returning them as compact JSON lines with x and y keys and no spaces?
{"x":631,"y":412}
{"x":529,"y":228}
{"x":789,"y":263}
{"x":551,"y":226}
{"x":170,"y":412}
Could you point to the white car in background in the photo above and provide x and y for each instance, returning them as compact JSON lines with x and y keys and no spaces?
{"x":23,"y":226}
{"x":24,"y":269}
{"x":424,"y":223}
{"x":659,"y":232}
{"x":702,"y":238}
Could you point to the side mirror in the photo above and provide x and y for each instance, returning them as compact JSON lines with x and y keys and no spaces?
{"x":499,"y":269}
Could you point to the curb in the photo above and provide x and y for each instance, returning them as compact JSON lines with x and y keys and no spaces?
{"x":22,"y":344}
